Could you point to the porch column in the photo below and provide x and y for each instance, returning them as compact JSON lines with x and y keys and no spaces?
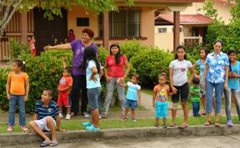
{"x":24,"y":27}
{"x":106,"y":29}
{"x":176,"y":31}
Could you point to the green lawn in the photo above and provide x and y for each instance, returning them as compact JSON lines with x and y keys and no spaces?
{"x":75,"y":124}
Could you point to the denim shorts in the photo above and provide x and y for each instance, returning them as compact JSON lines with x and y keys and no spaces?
{"x":93,"y":95}
{"x":133,"y":104}
{"x":161,"y":109}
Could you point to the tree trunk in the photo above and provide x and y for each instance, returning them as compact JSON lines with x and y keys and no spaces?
{"x":8,"y":14}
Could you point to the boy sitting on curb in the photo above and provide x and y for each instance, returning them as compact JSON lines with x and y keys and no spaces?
{"x":46,"y":118}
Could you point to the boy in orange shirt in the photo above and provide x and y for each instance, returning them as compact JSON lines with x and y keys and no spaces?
{"x":64,"y":88}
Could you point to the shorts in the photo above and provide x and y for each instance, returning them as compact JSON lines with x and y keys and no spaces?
{"x":133,"y":104}
{"x":93,"y":95}
{"x":64,"y":99}
{"x":42,"y":123}
{"x":161,"y":110}
{"x":182,"y":91}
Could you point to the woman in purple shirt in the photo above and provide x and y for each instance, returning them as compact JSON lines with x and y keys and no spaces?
{"x":78,"y":74}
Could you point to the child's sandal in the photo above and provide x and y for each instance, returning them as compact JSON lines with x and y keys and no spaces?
{"x":207,"y":123}
{"x":183,"y":125}
{"x":172,"y":124}
{"x":217,"y":124}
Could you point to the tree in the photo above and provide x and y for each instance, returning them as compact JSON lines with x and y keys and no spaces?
{"x":230,"y":33}
{"x":9,"y":7}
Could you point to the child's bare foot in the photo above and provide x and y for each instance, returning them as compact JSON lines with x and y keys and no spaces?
{"x":156,"y":125}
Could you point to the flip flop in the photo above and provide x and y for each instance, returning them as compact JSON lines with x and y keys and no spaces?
{"x":207,"y":123}
{"x":183,"y":125}
{"x":217,"y":124}
{"x":172,"y":124}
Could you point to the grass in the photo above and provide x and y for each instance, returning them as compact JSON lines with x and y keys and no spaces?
{"x":75,"y":124}
{"x":118,"y":108}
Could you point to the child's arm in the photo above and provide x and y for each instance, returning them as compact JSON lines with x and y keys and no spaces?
{"x":27,"y":89}
{"x":35,"y":116}
{"x":65,"y":89}
{"x":192,"y":74}
{"x":8,"y":87}
{"x":94,"y":72}
{"x":174,"y":90}
{"x":123,"y":84}
{"x":153,"y":99}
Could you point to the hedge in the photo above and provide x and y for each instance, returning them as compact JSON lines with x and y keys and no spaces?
{"x":45,"y":70}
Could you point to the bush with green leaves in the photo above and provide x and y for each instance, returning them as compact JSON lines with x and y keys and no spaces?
{"x":131,"y":48}
{"x":44,"y":72}
{"x":149,"y":63}
{"x":18,"y":48}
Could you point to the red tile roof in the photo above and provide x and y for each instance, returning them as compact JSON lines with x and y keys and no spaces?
{"x":195,"y":19}
{"x":226,"y":1}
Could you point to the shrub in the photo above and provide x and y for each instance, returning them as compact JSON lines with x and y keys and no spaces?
{"x":18,"y":48}
{"x":131,"y":48}
{"x":44,"y":71}
{"x":3,"y":79}
{"x":149,"y":63}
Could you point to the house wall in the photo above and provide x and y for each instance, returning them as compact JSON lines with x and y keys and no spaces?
{"x":165,"y":40}
{"x":223,"y":10}
{"x":76,"y":12}
{"x":146,"y":27}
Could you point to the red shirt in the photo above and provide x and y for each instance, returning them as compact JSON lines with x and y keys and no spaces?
{"x":114,"y":70}
{"x":64,"y":82}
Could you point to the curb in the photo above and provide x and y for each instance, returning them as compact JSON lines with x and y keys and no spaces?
{"x":29,"y":138}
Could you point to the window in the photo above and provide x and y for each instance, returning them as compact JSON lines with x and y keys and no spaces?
{"x":162,"y":30}
{"x":125,"y":23}
{"x":81,"y":21}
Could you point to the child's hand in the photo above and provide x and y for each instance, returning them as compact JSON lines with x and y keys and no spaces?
{"x":26,"y":98}
{"x":139,"y":101}
{"x":120,"y":81}
{"x":174,"y":90}
{"x":234,"y":75}
{"x":8,"y":96}
{"x":93,"y":78}
{"x":60,"y":90}
{"x":108,"y":78}
{"x":154,"y":106}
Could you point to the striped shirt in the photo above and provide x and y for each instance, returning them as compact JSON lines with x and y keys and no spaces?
{"x":42,"y":111}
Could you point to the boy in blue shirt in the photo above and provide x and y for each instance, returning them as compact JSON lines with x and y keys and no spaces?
{"x":46,"y":118}
{"x":133,"y":97}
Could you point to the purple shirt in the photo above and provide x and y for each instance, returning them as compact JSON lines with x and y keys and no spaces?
{"x":78,"y":51}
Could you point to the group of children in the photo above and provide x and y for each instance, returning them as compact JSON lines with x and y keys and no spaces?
{"x":18,"y":88}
